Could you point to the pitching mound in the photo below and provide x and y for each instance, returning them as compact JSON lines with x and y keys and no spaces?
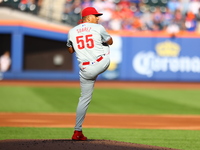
{"x":66,"y":144}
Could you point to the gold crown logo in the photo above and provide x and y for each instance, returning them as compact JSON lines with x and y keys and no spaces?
{"x":168,"y":48}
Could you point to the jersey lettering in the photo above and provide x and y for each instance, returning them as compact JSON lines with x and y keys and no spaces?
{"x":85,"y":29}
{"x":83,"y":41}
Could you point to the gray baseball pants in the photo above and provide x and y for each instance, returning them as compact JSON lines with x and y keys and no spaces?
{"x":88,"y":75}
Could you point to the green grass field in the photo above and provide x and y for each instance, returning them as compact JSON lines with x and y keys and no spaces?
{"x":119,"y":101}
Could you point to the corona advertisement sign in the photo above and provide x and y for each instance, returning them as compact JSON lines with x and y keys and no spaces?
{"x":165,"y":58}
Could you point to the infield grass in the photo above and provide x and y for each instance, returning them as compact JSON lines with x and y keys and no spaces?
{"x":119,"y":101}
{"x":123,"y":101}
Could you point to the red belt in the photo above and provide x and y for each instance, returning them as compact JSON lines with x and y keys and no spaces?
{"x":98,"y":60}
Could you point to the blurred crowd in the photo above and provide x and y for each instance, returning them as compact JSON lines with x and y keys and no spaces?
{"x":32,"y":6}
{"x":136,"y":15}
{"x":140,"y":15}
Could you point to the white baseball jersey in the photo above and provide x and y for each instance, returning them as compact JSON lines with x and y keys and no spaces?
{"x":87,"y":39}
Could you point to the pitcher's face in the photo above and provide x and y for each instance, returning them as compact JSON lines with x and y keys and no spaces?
{"x":94,"y":19}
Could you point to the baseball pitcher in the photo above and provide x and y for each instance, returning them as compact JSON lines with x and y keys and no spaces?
{"x":90,"y":42}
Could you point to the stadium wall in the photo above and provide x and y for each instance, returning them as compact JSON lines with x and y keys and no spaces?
{"x":39,"y":53}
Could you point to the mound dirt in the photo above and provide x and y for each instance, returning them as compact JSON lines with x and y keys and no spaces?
{"x":66,"y":144}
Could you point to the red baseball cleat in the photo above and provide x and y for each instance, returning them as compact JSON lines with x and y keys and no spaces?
{"x":78,"y":136}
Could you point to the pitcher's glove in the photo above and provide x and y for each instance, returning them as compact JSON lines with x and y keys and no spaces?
{"x":104,"y":44}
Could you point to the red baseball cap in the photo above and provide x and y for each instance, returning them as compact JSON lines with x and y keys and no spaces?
{"x":90,"y":11}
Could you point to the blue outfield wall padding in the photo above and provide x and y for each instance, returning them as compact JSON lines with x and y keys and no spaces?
{"x":17,"y":52}
{"x":132,"y":58}
{"x":41,"y":75}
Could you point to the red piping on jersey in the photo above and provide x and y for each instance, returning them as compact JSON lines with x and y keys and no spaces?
{"x":99,"y":59}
